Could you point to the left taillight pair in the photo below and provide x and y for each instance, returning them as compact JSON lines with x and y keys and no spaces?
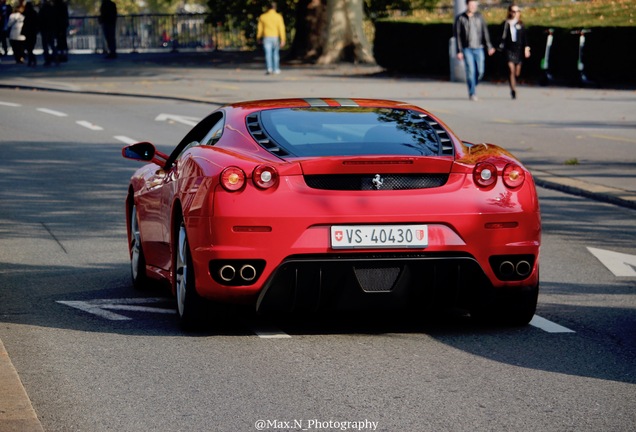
{"x":485,"y":175}
{"x":234,"y":178}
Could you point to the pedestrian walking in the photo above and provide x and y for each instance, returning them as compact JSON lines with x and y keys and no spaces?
{"x":16,"y":38}
{"x":472,"y":38}
{"x":5,"y":11}
{"x":108,"y":20}
{"x":271,"y":33}
{"x":30,"y":31}
{"x":47,"y":31}
{"x":514,"y":45}
{"x":60,"y":29}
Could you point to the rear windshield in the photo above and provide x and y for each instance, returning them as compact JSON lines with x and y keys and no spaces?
{"x":343,"y":131}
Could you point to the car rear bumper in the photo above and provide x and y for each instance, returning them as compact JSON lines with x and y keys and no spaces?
{"x":367,"y":281}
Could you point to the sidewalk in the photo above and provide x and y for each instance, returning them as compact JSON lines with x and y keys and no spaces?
{"x":218,"y":78}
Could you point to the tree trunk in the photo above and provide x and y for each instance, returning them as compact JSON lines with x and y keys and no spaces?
{"x":344,"y":33}
{"x":310,"y":25}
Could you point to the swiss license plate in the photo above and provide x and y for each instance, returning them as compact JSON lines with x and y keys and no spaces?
{"x":379,"y":236}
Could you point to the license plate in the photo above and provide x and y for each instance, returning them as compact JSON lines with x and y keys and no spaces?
{"x":379,"y":236}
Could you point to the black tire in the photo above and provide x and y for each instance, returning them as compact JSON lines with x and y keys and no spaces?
{"x":138,"y":273}
{"x":514,"y":308}
{"x":189,"y":304}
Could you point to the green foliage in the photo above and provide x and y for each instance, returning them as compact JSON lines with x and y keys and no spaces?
{"x":162,"y":6}
{"x":557,"y":13}
{"x":243,"y":14}
{"x":382,"y":8}
{"x":128,"y":7}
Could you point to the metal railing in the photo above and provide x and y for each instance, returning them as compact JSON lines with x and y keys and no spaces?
{"x":152,"y":32}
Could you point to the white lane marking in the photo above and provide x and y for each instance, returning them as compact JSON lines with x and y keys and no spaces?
{"x":89,"y":125}
{"x":613,"y":138}
{"x":186,"y":120}
{"x":618,"y":263}
{"x":140,"y":309}
{"x":95,"y":310}
{"x":270,"y":334}
{"x":125,"y":139}
{"x":102,"y":308}
{"x":52,"y":112}
{"x":549,"y":326}
{"x":10,"y":104}
{"x":99,"y":307}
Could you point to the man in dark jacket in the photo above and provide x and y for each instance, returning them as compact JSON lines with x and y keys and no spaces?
{"x":108,"y":20}
{"x":61,"y":28}
{"x":47,"y":31}
{"x":471,"y":36}
{"x":5,"y":11}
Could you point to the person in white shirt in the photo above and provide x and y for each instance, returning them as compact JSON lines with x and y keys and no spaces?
{"x":16,"y":38}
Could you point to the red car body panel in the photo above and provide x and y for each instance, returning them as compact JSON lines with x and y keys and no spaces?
{"x":272,"y":226}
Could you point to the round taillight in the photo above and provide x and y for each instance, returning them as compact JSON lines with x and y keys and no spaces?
{"x":265,"y":176}
{"x":232,"y":179}
{"x":485,"y":174}
{"x":513,"y":176}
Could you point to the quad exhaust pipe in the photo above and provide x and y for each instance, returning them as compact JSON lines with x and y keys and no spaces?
{"x":246,"y":273}
{"x":509,"y":269}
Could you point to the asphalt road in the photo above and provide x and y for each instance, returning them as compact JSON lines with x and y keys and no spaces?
{"x":92,"y":361}
{"x":589,"y":149}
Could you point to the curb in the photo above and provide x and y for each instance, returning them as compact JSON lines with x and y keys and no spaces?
{"x":16,"y":412}
{"x":573,"y":186}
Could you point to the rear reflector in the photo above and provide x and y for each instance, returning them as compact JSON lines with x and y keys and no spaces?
{"x":251,"y":229}
{"x":501,"y":225}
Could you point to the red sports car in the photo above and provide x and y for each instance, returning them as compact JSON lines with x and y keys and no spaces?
{"x":314,"y":204}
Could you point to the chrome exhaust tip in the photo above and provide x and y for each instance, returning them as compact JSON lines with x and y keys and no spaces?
{"x":523,"y":268}
{"x":248,"y":273}
{"x":227,"y":273}
{"x":506,"y":268}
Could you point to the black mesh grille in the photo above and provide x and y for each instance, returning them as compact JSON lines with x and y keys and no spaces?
{"x":366,"y":181}
{"x":376,"y":279}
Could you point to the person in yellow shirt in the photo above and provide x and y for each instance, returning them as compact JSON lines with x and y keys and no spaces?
{"x":271,"y":33}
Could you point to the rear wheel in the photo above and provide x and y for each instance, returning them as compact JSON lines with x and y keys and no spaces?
{"x":510,"y":307}
{"x":189,"y":303}
{"x":137,"y":258}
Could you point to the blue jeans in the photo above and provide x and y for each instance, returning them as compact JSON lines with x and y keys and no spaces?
{"x":271,"y":45}
{"x":475,"y":62}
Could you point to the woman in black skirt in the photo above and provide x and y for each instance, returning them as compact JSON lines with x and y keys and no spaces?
{"x":514,"y":45}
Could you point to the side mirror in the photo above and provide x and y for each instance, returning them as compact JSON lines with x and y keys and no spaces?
{"x":144,"y":152}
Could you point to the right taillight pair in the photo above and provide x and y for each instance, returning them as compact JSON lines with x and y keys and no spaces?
{"x":485,"y":175}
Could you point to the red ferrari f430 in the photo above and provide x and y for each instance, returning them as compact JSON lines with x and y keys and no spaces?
{"x":319,"y":204}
